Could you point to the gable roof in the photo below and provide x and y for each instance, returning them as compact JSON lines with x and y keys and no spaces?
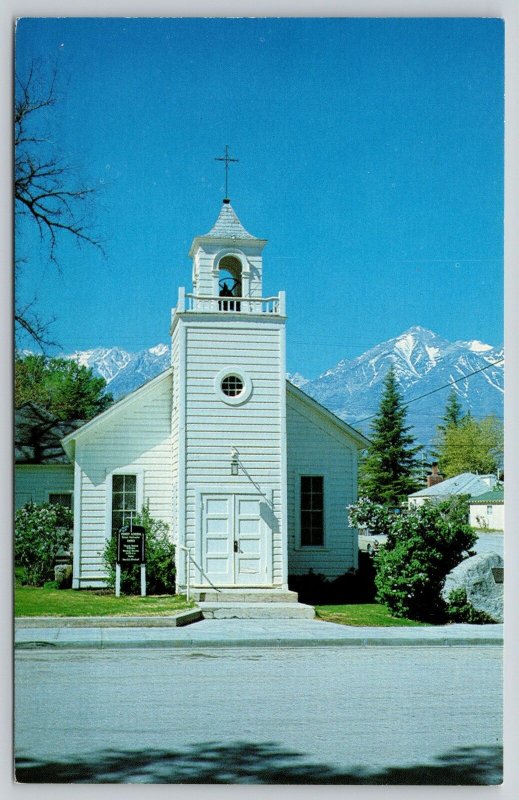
{"x":495,"y":495}
{"x":360,"y":440}
{"x":113,"y":411}
{"x":466,"y":483}
{"x":68,"y":442}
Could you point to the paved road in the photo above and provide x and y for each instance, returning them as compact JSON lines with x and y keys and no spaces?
{"x":267,"y":715}
{"x":490,"y":543}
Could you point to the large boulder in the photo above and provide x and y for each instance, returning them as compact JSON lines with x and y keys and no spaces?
{"x":481,"y":577}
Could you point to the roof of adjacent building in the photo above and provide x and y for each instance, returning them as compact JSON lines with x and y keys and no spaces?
{"x":38,"y":435}
{"x":466,"y":483}
{"x":495,"y":495}
{"x":228,"y":226}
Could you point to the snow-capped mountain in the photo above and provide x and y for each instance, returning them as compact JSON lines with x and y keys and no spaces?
{"x":123,"y":371}
{"x":423,"y":362}
{"x":106,"y":362}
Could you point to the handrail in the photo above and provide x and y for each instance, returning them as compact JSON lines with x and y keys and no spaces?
{"x":211,"y":303}
{"x":199,"y":568}
{"x":243,"y":305}
{"x":223,"y":298}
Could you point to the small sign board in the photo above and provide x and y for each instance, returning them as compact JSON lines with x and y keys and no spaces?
{"x":131,"y":545}
{"x":498,"y":574}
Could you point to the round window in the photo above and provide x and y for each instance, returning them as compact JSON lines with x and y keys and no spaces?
{"x":232,"y":386}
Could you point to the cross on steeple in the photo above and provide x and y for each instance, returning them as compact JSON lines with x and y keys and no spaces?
{"x":227,"y":158}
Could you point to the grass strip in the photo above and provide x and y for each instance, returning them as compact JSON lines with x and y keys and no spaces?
{"x":31,"y":601}
{"x":371,"y":615}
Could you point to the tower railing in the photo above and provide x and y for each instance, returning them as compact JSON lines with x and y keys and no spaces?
{"x":225,"y":305}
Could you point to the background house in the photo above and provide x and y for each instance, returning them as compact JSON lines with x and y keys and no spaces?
{"x":43,"y":473}
{"x":487,"y":510}
{"x":467,"y":483}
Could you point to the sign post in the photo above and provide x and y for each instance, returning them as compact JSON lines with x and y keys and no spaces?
{"x":131,"y":549}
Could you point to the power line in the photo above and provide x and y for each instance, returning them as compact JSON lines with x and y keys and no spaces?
{"x":438,"y":389}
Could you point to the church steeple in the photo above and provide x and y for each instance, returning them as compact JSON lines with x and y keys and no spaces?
{"x":229,"y":415}
{"x":227,"y":259}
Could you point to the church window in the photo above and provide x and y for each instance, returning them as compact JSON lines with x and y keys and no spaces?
{"x":232,"y":386}
{"x":124,"y":500}
{"x":312,"y":510}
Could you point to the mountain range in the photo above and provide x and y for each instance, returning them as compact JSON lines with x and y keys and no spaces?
{"x":423,"y":361}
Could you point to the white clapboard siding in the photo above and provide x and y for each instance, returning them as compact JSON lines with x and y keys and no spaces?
{"x":34,"y":482}
{"x":316,"y":446}
{"x":213,"y":427}
{"x":137,"y":438}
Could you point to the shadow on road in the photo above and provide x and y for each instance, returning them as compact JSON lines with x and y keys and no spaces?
{"x":243,"y":762}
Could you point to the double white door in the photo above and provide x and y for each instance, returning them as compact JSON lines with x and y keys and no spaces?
{"x":235,"y":540}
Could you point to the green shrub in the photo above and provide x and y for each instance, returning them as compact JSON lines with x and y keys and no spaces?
{"x":423,"y":545}
{"x":160,"y":559}
{"x":41,"y":532}
{"x":460,"y":609}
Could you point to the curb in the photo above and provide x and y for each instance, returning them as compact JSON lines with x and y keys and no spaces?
{"x":183,"y":644}
{"x":249,"y":643}
{"x":177,"y":621}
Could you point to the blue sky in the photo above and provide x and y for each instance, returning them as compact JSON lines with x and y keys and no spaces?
{"x":370,"y":158}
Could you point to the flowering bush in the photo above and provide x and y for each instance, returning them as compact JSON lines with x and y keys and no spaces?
{"x":41,"y":531}
{"x":423,"y":545}
{"x":375,"y":517}
{"x":160,"y":559}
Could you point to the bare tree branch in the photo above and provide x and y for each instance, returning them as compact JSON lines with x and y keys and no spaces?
{"x":45,"y":190}
{"x":27,"y":320}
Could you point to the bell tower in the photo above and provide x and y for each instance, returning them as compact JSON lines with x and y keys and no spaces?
{"x":227,"y":261}
{"x":229,"y":417}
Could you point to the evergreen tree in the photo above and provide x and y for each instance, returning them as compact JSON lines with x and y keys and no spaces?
{"x":388,"y":470}
{"x":453,"y":411}
{"x":452,"y":417}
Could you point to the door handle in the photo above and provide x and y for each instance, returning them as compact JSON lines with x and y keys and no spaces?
{"x":236,"y":548}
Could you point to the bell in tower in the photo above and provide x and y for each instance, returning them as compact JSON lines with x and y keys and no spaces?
{"x":229,"y":283}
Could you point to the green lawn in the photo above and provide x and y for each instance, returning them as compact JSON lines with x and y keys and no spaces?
{"x":364,"y":614}
{"x":31,"y":601}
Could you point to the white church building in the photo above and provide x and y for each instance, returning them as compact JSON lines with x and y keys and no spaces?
{"x":252,"y":475}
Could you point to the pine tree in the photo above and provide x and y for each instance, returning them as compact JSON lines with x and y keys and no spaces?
{"x":453,"y":411}
{"x":388,"y":470}
{"x":452,"y":418}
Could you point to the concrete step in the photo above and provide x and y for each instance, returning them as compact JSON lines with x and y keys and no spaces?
{"x":256,"y":610}
{"x":244,"y":596}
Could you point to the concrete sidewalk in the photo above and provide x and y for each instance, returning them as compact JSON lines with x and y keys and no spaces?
{"x":46,"y":633}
